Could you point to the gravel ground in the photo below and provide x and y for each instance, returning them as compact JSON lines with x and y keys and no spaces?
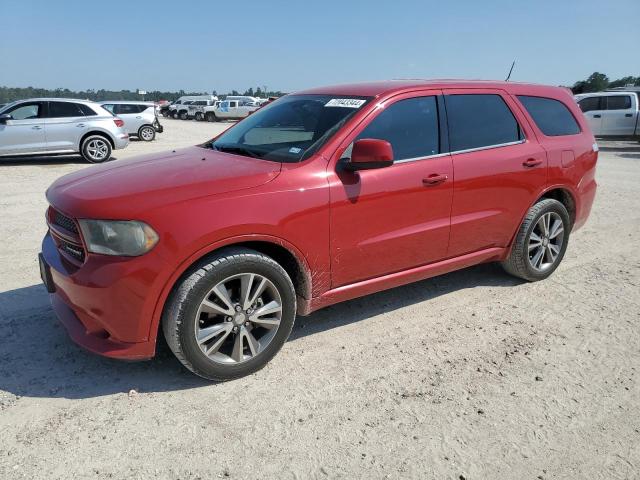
{"x":471,"y":375}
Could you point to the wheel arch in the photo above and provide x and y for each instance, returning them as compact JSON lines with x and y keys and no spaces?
{"x":285,"y":254}
{"x":96,"y":132}
{"x":565,"y":197}
{"x":561,"y":193}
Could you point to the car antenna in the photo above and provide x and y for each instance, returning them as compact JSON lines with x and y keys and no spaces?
{"x":510,"y":70}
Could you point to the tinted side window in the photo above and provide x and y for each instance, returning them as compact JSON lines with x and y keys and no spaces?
{"x":618,"y":102}
{"x":86,"y":110}
{"x":410,"y":126}
{"x":64,"y":110}
{"x":123,"y":109}
{"x":589,"y":104}
{"x":25,"y":111}
{"x":551,"y":116}
{"x":480,"y":120}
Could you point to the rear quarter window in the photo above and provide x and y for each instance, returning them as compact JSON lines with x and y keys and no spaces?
{"x":619,"y":102}
{"x":552,"y":117}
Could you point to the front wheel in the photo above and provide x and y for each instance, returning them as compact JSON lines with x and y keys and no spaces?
{"x":211,"y":117}
{"x":541,"y":241}
{"x":147,"y":133}
{"x":230,"y":315}
{"x":183,"y":115}
{"x":198,"y":117}
{"x":95,"y":149}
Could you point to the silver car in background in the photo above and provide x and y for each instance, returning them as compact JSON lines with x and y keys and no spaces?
{"x":44,"y":126}
{"x":140,"y":118}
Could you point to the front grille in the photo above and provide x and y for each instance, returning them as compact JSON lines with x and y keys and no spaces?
{"x":65,"y":222}
{"x":73,"y":250}
{"x":66,"y":236}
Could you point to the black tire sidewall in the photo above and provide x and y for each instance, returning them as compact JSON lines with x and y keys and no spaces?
{"x":551,"y":206}
{"x":186,"y":330}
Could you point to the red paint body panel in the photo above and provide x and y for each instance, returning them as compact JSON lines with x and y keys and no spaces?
{"x":352,"y":233}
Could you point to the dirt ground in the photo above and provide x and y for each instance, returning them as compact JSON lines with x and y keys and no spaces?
{"x":472,"y":375}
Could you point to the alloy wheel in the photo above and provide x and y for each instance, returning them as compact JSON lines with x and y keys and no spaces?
{"x":238,"y":318}
{"x":97,"y":149}
{"x":545,"y":241}
{"x":147,"y":134}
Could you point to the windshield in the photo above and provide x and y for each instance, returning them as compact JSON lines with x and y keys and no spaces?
{"x":290,"y":129}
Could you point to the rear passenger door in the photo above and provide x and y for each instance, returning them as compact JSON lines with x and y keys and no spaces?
{"x":498,"y":168}
{"x":64,"y":126}
{"x":619,"y":117}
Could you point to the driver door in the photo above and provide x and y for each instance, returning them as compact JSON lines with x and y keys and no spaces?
{"x":394,"y":218}
{"x":24,"y":133}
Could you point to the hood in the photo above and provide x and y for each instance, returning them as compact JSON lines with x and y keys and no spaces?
{"x":122,"y":189}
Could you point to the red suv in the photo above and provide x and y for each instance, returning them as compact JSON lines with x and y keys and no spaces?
{"x":320,"y":197}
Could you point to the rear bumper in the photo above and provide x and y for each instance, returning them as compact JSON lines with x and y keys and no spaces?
{"x":120,"y":141}
{"x":107,"y":304}
{"x":587,"y":194}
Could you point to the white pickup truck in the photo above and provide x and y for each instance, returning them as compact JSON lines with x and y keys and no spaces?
{"x":611,"y":114}
{"x":231,"y":108}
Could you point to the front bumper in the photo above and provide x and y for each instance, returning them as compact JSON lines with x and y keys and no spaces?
{"x":107,"y":304}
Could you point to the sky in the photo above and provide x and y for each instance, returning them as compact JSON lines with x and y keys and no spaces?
{"x":203,"y":45}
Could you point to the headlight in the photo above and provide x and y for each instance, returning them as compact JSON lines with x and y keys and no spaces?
{"x":118,"y":237}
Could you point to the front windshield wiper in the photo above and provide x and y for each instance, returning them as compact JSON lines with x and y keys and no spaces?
{"x":236,"y":149}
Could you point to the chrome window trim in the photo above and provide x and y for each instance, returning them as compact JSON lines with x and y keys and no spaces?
{"x":415,"y":159}
{"x":468,"y":150}
{"x":488,"y":147}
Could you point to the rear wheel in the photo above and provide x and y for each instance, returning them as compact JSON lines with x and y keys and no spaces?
{"x":147,"y":133}
{"x":541,"y":241}
{"x":95,"y":149}
{"x":199,"y":116}
{"x":230,"y":315}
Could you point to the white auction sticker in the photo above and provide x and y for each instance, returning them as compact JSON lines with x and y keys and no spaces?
{"x":345,"y":102}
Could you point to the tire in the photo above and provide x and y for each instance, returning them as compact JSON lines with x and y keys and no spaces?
{"x":198,"y":116}
{"x":188,"y":314}
{"x":535,"y":260}
{"x":96,"y":149}
{"x":146,"y":133}
{"x":211,"y":117}
{"x":174,"y":114}
{"x":183,"y":115}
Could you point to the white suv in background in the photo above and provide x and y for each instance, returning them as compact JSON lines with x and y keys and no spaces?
{"x":140,"y":118}
{"x":44,"y":126}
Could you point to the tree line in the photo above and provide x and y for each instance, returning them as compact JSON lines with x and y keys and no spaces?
{"x":9,"y":94}
{"x":597,"y":82}
{"x":594,"y":83}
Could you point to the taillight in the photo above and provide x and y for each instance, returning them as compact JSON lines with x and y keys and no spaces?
{"x":118,"y":122}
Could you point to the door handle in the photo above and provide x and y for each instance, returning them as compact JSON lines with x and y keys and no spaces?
{"x":138,"y":117}
{"x":597,"y":116}
{"x":80,"y":125}
{"x":36,"y":127}
{"x":531,"y":162}
{"x":628,"y":114}
{"x":434,"y":179}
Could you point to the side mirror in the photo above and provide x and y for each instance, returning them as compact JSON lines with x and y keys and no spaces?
{"x":370,"y":153}
{"x":4,"y":117}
